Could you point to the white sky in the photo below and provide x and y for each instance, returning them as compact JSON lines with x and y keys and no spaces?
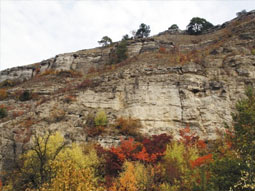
{"x":34,"y":30}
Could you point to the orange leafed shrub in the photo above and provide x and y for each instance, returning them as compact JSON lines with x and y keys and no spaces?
{"x":162,"y":50}
{"x":188,"y":138}
{"x":127,"y":179}
{"x":37,"y":70}
{"x":95,"y":131}
{"x":201,"y":144}
{"x":128,"y":126}
{"x":48,"y":72}
{"x":17,"y":113}
{"x":126,"y":149}
{"x":91,"y":70}
{"x":3,"y":94}
{"x":201,"y":160}
{"x":69,"y":99}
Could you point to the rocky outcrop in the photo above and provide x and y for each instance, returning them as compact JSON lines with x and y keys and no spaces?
{"x":194,"y":81}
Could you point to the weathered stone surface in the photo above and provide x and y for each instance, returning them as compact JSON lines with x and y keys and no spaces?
{"x":164,"y":96}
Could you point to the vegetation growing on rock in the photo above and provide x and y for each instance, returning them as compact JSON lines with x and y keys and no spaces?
{"x":143,"y":31}
{"x":168,"y":81}
{"x":3,"y":112}
{"x":105,"y":41}
{"x":197,"y":25}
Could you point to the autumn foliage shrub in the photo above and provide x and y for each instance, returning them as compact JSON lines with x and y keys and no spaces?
{"x":156,"y":163}
{"x":134,"y":151}
{"x":95,"y":131}
{"x":85,"y":84}
{"x":128,"y":126}
{"x":69,"y":99}
{"x":91,"y":70}
{"x":157,"y":143}
{"x":134,"y":177}
{"x":52,"y":165}
{"x":3,"y":94}
{"x":69,"y":73}
{"x":162,"y":50}
{"x":48,"y":72}
{"x":8,"y":83}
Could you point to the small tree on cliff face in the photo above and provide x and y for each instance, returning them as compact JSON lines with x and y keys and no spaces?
{"x":105,"y":41}
{"x":143,"y":31}
{"x":173,"y":27}
{"x":197,"y":25}
{"x":126,"y":37}
{"x":120,"y":53}
{"x":243,"y":12}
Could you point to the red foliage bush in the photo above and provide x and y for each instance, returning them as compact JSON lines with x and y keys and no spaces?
{"x":149,"y":151}
{"x":188,"y":138}
{"x":162,"y":50}
{"x":112,"y":163}
{"x":156,"y":146}
{"x":17,"y":113}
{"x":91,"y":70}
{"x":201,"y":160}
{"x":85,"y":84}
{"x":1,"y":185}
{"x":157,"y":143}
{"x":3,"y":94}
{"x":95,"y":131}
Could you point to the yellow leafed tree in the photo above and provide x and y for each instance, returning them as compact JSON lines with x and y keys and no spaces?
{"x":70,"y":177}
{"x":126,"y":180}
{"x":51,"y":164}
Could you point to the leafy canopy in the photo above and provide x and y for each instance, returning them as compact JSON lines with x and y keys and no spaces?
{"x":173,"y":27}
{"x":197,"y":25}
{"x":143,"y":31}
{"x":105,"y":41}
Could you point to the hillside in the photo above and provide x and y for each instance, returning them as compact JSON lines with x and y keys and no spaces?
{"x":168,"y":82}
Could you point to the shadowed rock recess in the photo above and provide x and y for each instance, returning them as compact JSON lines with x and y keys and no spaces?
{"x":169,"y":81}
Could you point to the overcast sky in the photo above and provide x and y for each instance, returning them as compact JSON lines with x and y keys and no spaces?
{"x":34,"y":30}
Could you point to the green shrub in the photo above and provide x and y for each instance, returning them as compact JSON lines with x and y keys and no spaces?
{"x":120,"y":53}
{"x":3,"y":113}
{"x":25,"y":96}
{"x":143,"y":31}
{"x":126,"y":37}
{"x":101,"y":118}
{"x":226,"y":172}
{"x":198,"y":25}
{"x":244,"y":129}
{"x":105,"y":41}
{"x":173,"y":27}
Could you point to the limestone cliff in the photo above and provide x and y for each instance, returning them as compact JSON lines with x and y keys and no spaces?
{"x":169,"y":81}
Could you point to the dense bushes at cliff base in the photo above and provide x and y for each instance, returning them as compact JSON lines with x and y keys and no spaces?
{"x":157,"y":163}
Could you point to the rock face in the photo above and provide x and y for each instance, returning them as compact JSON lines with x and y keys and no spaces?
{"x":169,"y":81}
